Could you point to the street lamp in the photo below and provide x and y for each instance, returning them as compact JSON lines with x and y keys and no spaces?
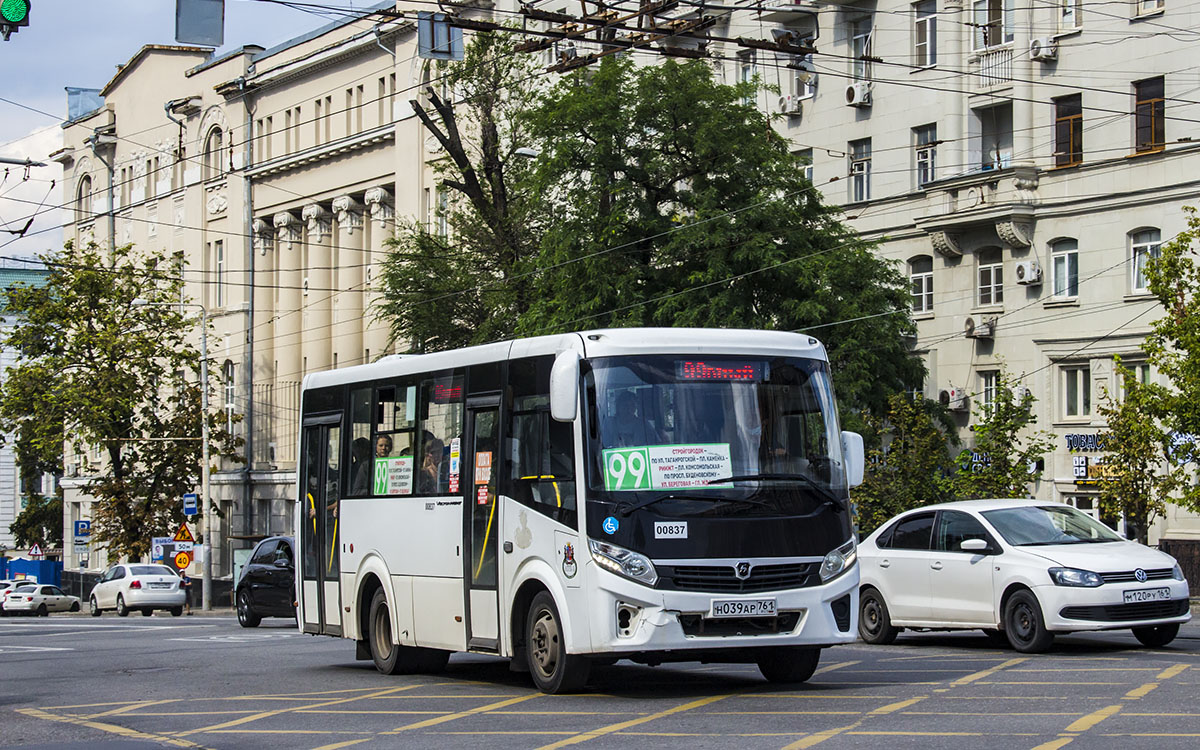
{"x":206,"y":524}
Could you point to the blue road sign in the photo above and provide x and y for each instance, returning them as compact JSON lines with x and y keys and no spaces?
{"x":83,"y":528}
{"x":191,"y":504}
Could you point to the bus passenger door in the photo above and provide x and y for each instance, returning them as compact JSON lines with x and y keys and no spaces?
{"x":482,"y":522}
{"x":320,"y":589}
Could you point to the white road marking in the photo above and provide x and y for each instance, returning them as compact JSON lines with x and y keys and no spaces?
{"x":238,"y":638}
{"x":29,"y":649}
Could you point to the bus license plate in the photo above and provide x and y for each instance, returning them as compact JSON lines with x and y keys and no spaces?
{"x":742,"y":608}
{"x":1147,"y":595}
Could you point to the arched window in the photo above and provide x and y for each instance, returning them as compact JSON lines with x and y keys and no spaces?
{"x":991,"y":276}
{"x":1064,"y":267}
{"x":920,"y":275}
{"x":212,"y":154}
{"x":83,"y":199}
{"x":1144,"y":244}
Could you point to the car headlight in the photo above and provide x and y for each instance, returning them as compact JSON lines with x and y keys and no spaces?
{"x":623,"y":562}
{"x":838,"y":561}
{"x":1075,"y":577}
{"x":1177,"y":572}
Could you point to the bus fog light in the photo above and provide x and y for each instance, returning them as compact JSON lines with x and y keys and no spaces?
{"x":627,"y":616}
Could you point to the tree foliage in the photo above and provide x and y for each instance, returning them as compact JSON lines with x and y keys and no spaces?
{"x":659,"y":197}
{"x":108,"y":373}
{"x":1006,"y":447}
{"x":909,"y":464}
{"x":39,"y":522}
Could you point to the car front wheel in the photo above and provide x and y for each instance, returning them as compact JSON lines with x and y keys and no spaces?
{"x":122,"y":610}
{"x":1024,"y":625}
{"x":94,"y":607}
{"x":874,"y":622}
{"x":246,"y":615}
{"x":1156,"y":636}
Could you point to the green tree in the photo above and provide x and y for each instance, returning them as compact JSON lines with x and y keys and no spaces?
{"x":101,"y":349}
{"x":658,"y":197}
{"x":39,"y":522}
{"x":37,"y":448}
{"x":909,"y":464}
{"x":1005,"y":445}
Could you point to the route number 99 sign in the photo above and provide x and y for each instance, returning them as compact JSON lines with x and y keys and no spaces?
{"x":626,"y":469}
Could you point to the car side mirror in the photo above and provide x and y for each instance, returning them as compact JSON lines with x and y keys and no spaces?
{"x":283,"y":564}
{"x":980,"y":546}
{"x":564,"y":386}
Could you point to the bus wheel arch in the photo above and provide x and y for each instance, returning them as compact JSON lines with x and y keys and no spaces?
{"x":366,"y":594}
{"x":520,"y":613}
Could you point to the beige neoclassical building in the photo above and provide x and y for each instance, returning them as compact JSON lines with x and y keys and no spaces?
{"x":1020,"y":161}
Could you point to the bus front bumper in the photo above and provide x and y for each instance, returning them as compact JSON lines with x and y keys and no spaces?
{"x":632,"y":618}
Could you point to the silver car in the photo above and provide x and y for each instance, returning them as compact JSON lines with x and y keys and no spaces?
{"x":137,"y":586}
{"x":41,"y":600}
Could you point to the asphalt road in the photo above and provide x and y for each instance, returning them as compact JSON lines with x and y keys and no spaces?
{"x":203,"y":682}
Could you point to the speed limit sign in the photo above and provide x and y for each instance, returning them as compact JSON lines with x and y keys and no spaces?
{"x":183,"y":559}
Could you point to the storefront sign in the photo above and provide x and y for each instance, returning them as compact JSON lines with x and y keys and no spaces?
{"x":1085,"y":442}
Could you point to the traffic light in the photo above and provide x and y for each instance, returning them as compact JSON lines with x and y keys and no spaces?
{"x":13,"y":15}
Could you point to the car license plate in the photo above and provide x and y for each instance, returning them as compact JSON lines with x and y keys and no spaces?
{"x":1147,"y":595}
{"x":742,"y":608}
{"x":160,"y":585}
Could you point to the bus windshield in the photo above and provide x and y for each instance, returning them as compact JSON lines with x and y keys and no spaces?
{"x":693,"y":435}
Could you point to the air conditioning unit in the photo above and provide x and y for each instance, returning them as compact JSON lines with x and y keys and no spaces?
{"x":954,"y":399}
{"x":858,"y":94}
{"x":790,"y":105}
{"x":1043,"y":48}
{"x":982,"y":329}
{"x":1029,"y":272}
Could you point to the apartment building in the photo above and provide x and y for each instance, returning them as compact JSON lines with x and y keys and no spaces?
{"x":1020,"y":161}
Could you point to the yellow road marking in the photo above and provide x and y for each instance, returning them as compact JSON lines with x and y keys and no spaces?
{"x":277,"y":712}
{"x":1055,"y":744}
{"x":1140,"y":692}
{"x":38,"y":713}
{"x":893,"y":707}
{"x":986,"y":673}
{"x":817,"y":738}
{"x":1092,"y":719}
{"x":460,"y":714}
{"x":594,"y":733}
{"x":839,"y":665}
{"x":924,"y":733}
{"x":339,"y":745}
{"x":1170,"y":672}
{"x":131,"y":707}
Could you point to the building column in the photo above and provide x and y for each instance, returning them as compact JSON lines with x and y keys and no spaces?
{"x":264,"y":341}
{"x":317,"y":333}
{"x":350,"y":262}
{"x":382,"y":224}
{"x":954,"y":151}
{"x":1023,"y":135}
{"x":289,"y":279}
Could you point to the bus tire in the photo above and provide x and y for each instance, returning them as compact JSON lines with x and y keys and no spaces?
{"x":385,"y":652}
{"x":789,"y":664}
{"x":553,"y":670}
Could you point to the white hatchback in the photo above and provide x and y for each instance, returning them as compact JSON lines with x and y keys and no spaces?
{"x":137,"y":586}
{"x":1020,"y":570}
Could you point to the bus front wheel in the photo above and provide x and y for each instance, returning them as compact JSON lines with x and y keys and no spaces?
{"x":553,"y":670}
{"x":789,"y":664}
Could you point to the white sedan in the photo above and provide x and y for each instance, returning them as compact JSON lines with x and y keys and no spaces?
{"x":1020,"y":570}
{"x":40,"y":600}
{"x":7,"y":588}
{"x":137,"y":586}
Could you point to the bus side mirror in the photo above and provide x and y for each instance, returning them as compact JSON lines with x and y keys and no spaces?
{"x":564,"y":386}
{"x":854,"y":457}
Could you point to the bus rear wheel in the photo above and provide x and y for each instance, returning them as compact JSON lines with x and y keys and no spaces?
{"x":553,"y":670}
{"x":789,"y":664}
{"x":389,"y":656}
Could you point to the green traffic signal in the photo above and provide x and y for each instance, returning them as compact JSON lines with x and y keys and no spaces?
{"x":14,"y":12}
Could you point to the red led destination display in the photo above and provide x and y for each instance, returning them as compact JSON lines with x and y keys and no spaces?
{"x":447,"y":392}
{"x":725,"y":371}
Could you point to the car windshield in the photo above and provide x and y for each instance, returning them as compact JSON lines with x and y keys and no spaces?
{"x":695,"y":431}
{"x":1032,"y":525}
{"x":150,"y":570}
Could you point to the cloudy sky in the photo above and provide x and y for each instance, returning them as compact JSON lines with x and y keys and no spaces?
{"x":80,"y":43}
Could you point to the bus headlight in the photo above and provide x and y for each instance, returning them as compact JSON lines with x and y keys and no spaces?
{"x":623,"y":562}
{"x":838,"y":561}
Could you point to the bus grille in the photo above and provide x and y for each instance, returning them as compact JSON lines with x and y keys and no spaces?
{"x":1127,"y":612}
{"x":701,"y":626}
{"x":723,"y":579}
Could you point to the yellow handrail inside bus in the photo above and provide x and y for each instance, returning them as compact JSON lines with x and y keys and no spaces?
{"x":486,"y":533}
{"x":557,"y":494}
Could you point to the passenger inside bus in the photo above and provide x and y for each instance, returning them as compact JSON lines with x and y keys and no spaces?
{"x":360,"y":466}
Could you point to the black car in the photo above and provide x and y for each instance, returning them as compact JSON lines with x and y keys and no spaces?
{"x":267,"y":587}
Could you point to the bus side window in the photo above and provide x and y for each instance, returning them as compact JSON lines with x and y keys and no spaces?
{"x":542,"y":463}
{"x":361,"y":449}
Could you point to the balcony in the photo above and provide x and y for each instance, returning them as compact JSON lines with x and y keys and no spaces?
{"x":983,"y":208}
{"x":991,"y":68}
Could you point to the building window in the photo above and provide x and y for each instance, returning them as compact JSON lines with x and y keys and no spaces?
{"x":860,"y":48}
{"x":83,"y":199}
{"x":1149,"y":6}
{"x":860,"y":170}
{"x":1064,"y":266}
{"x":991,"y":276}
{"x":995,"y":136}
{"x":229,"y":382}
{"x":219,"y":262}
{"x":806,"y":156}
{"x":1077,"y":391}
{"x":1068,"y":130}
{"x":443,"y":213}
{"x":747,"y":71}
{"x":993,"y":24}
{"x":920,"y":274}
{"x":804,"y":78}
{"x":1139,"y":371}
{"x":211,"y":160}
{"x":988,"y":380}
{"x":1144,"y":245}
{"x":925,"y":33}
{"x":1148,"y":115}
{"x":1070,"y":14}
{"x":925,"y":154}
{"x":151,"y":176}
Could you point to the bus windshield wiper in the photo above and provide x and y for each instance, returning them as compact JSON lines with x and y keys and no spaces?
{"x":829,"y":497}
{"x":626,"y":509}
